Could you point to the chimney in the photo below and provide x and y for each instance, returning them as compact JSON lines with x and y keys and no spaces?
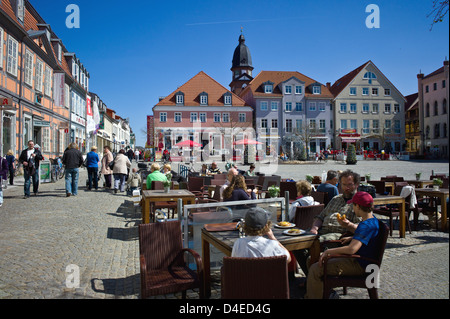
{"x":328,"y":85}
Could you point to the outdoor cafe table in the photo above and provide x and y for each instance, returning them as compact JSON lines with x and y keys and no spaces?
{"x":442,"y":194}
{"x":152,"y":196}
{"x":420,"y":183}
{"x":389,"y":199}
{"x":224,"y":241}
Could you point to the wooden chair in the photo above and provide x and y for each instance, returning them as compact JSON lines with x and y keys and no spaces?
{"x":162,"y":265}
{"x":171,"y":206}
{"x":330,"y":282}
{"x":291,"y":188}
{"x":255,"y":278}
{"x":304,"y":215}
{"x":392,"y":210}
{"x":320,"y":197}
{"x":380,"y":187}
{"x":197,"y":186}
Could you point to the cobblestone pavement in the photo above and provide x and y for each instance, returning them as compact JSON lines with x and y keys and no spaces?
{"x":97,"y":231}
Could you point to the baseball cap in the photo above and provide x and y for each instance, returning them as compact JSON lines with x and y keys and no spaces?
{"x":362,"y":199}
{"x":257,"y":217}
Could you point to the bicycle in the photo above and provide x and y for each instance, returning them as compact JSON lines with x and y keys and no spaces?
{"x":58,"y":170}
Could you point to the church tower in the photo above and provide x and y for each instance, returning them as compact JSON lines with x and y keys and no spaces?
{"x":241,"y":68}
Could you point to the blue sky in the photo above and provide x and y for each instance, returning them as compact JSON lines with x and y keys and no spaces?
{"x":137,"y":51}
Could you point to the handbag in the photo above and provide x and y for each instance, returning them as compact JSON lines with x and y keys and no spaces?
{"x":111,"y":165}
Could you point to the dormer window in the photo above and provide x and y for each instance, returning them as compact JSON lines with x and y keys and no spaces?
{"x":227,"y":98}
{"x":268,"y":87}
{"x":316,"y":90}
{"x":179,"y":98}
{"x":203,"y":98}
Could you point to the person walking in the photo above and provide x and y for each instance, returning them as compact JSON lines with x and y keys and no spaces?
{"x":106,"y":171}
{"x":72,"y":159}
{"x":3,"y":175}
{"x":120,"y":171}
{"x":11,"y":167}
{"x":92,"y":160}
{"x":30,"y":159}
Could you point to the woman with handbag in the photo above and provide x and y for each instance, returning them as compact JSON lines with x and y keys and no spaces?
{"x":106,"y":171}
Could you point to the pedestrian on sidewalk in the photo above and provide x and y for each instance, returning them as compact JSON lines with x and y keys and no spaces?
{"x":106,"y":171}
{"x":120,"y":171}
{"x":92,"y":160}
{"x":3,"y":175}
{"x":30,"y":159}
{"x":72,"y":159}
{"x":10,"y":158}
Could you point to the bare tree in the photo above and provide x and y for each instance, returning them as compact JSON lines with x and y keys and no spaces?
{"x":440,"y":10}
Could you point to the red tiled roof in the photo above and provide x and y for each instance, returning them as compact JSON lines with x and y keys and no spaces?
{"x":410,"y":99}
{"x":278,"y":77}
{"x":440,"y":70}
{"x":340,"y":84}
{"x":198,"y":84}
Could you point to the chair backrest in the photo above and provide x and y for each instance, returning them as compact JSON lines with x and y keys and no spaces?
{"x":380,"y":186}
{"x":290,"y":187}
{"x":160,"y":243}
{"x":195,"y":183}
{"x":320,"y":197}
{"x":216,"y":195}
{"x":255,"y":278}
{"x":269,"y":181}
{"x":304,"y":215}
{"x":383,"y":234}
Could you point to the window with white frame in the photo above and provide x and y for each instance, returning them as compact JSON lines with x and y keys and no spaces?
{"x":227,"y":99}
{"x":366,"y":126}
{"x":366,"y":107}
{"x":204,"y":99}
{"x":288,"y":126}
{"x":298,"y":89}
{"x":298,"y":125}
{"x":354,"y":124}
{"x":376,"y":126}
{"x":388,"y":125}
{"x":242,"y":117}
{"x":28,"y":67}
{"x":316,"y":89}
{"x":180,"y":98}
{"x":12,"y":54}
{"x":194,"y":117}
{"x":288,"y":89}
{"x":264,"y":123}
{"x":274,"y":106}
{"x":312,"y":106}
{"x":226,"y":117}
{"x":375,"y":108}
{"x":322,"y":125}
{"x":353,"y":108}
{"x":299,"y":106}
{"x":217,"y":117}
{"x":397,"y":126}
{"x":46,"y":139}
{"x":387,"y":108}
{"x":343,"y":108}
{"x":352,"y":91}
{"x":375,"y":91}
{"x":268,"y":88}
{"x":163,"y":117}
{"x":177,"y":117}
{"x":397,"y":108}
{"x":365,"y":91}
{"x":312,"y":124}
{"x":48,"y":81}
{"x":343,"y":124}
{"x":274,"y":123}
{"x":288,"y":107}
{"x":322,"y":106}
{"x":387,"y":92}
{"x":263,"y":105}
{"x":1,"y":48}
{"x":39,"y":75}
{"x":203,"y":117}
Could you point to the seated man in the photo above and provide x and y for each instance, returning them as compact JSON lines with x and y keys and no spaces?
{"x":214,"y":169}
{"x":363,"y":243}
{"x":327,"y":224}
{"x":155,"y":175}
{"x":329,"y":186}
{"x":231,"y":172}
{"x":257,"y":223}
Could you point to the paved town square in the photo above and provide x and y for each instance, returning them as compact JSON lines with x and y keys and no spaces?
{"x":44,"y":237}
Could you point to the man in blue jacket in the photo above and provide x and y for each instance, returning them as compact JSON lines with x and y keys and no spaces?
{"x":92,"y":160}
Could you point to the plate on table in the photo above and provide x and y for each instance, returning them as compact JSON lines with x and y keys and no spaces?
{"x":294,"y":232}
{"x":284,"y":225}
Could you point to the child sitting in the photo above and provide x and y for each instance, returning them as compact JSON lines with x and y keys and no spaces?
{"x":362,"y":243}
{"x":133,"y":182}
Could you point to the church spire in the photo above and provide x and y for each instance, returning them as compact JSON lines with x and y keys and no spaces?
{"x":241,"y":67}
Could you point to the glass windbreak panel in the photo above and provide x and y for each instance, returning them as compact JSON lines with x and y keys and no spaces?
{"x":195,"y":217}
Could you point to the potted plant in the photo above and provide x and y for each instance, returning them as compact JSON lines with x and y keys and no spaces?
{"x":167,"y":183}
{"x":437,"y":182}
{"x":309,"y":178}
{"x":367,"y":177}
{"x":274,"y":191}
{"x":418,"y":176}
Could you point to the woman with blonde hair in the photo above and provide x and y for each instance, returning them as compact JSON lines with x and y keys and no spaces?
{"x":304,"y":198}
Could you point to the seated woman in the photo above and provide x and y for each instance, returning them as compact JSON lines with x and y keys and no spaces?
{"x":304,"y":198}
{"x":204,"y":170}
{"x":237,"y":190}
